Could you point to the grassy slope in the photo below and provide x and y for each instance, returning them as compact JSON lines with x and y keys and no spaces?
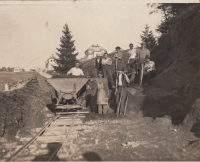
{"x":11,"y":77}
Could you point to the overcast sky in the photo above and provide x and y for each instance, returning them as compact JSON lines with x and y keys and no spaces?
{"x":30,"y":33}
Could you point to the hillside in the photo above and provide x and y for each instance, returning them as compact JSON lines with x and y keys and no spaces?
{"x":177,"y":61}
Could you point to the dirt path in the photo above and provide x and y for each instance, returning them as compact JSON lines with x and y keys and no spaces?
{"x":129,"y":138}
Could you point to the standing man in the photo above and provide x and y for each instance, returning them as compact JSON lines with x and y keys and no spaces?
{"x":98,"y":63}
{"x":121,"y":81}
{"x":132,"y":62}
{"x":107,"y":71}
{"x":132,"y":54}
{"x":142,"y":53}
{"x":91,"y":95}
{"x":120,"y":64}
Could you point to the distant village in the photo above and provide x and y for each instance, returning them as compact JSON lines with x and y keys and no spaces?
{"x":90,"y":53}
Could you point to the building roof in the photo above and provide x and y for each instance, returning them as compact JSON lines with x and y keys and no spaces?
{"x":52,"y":57}
{"x":94,"y":48}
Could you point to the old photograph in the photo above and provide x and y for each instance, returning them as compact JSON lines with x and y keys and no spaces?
{"x":97,"y":80}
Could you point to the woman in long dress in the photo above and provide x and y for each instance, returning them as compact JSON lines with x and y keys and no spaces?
{"x":102,"y":94}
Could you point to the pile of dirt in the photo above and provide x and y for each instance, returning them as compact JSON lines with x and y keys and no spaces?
{"x":24,"y":108}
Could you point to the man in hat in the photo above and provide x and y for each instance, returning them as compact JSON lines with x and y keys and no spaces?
{"x":122,"y":80}
{"x":120,"y":64}
{"x":76,"y":71}
{"x":149,"y":69}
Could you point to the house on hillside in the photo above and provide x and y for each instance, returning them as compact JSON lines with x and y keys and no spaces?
{"x":35,"y":68}
{"x":50,"y":63}
{"x":17,"y":69}
{"x":93,"y":51}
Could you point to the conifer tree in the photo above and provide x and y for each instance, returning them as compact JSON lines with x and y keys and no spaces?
{"x":67,"y":57}
{"x":148,"y":38}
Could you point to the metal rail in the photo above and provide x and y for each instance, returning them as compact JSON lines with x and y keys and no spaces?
{"x":52,"y":158}
{"x":31,"y":141}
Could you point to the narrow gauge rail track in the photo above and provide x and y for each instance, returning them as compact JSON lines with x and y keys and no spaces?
{"x":49,"y":144}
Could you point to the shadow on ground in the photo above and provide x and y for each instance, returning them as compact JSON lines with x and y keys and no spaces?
{"x":52,"y":148}
{"x":92,"y":156}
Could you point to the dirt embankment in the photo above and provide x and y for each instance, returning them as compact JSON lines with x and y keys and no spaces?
{"x":176,"y":89}
{"x":24,"y":108}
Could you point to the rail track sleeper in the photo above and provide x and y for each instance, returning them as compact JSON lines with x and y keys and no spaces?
{"x":31,"y":141}
{"x":66,"y":120}
{"x":68,"y":117}
{"x":31,"y":158}
{"x":63,"y":113}
{"x":63,"y":128}
{"x":69,"y":123}
{"x":53,"y":133}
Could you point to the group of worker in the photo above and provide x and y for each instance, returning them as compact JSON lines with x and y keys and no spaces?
{"x":126,"y":74}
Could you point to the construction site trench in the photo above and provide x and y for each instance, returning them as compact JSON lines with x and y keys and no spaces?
{"x":161,"y":122}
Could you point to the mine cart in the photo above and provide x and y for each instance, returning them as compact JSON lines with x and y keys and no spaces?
{"x":69,"y":92}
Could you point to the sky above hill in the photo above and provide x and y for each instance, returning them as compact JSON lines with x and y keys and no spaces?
{"x":30,"y":32}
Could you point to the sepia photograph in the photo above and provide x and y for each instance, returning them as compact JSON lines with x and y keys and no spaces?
{"x":100,"y":80}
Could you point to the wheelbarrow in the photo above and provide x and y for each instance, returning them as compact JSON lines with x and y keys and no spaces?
{"x":68,"y":89}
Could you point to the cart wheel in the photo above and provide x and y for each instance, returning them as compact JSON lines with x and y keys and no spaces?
{"x":53,"y":100}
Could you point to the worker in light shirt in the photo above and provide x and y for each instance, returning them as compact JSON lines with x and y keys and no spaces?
{"x":149,"y":69}
{"x":132,"y":54}
{"x":76,"y":71}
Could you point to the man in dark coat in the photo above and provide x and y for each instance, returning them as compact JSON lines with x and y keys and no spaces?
{"x":91,"y":95}
{"x":98,"y":63}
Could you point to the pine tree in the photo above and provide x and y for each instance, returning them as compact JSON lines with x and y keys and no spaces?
{"x":168,"y":11}
{"x":67,"y":57}
{"x":148,"y":38}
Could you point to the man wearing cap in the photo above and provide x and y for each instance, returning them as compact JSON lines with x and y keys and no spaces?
{"x":122,"y":80}
{"x":120,"y":64}
{"x":76,"y":71}
{"x":107,"y":71}
{"x":149,"y":69}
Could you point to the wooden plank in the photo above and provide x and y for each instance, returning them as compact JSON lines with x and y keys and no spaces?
{"x":31,"y":158}
{"x":67,"y":119}
{"x":56,"y":123}
{"x":70,"y":117}
{"x":58,"y":138}
{"x":63,"y":128}
{"x":68,"y":106}
{"x":65,"y":113}
{"x":50,"y":138}
{"x":51,"y":133}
